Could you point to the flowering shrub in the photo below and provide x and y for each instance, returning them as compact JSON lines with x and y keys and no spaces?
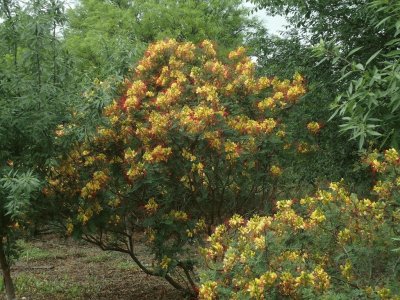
{"x":190,"y":142}
{"x":333,"y":245}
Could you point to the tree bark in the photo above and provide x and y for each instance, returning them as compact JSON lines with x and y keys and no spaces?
{"x":5,"y":268}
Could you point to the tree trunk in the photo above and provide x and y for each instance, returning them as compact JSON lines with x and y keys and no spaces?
{"x":5,"y":268}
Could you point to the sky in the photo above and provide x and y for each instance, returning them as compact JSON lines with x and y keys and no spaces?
{"x":274,"y":24}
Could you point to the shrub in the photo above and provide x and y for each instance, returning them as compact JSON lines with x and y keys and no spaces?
{"x":191,"y":141}
{"x":333,"y":245}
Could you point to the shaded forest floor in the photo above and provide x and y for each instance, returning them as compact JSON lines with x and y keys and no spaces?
{"x":52,"y":268}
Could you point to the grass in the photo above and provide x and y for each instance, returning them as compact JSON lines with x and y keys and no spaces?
{"x":33,"y":253}
{"x":28,"y":284}
{"x":127,"y":265}
{"x":99,"y":258}
{"x":52,"y":268}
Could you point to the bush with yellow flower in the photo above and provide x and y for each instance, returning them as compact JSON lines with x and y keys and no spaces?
{"x":190,"y":142}
{"x":332,"y":245}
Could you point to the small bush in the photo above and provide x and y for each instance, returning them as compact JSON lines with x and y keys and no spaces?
{"x":333,"y":245}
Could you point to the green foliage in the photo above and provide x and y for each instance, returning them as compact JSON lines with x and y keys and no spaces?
{"x":370,"y":106}
{"x":331,"y":157}
{"x":35,"y":94}
{"x":102,"y":46}
{"x":333,"y":245}
{"x":346,"y":22}
{"x":99,"y":45}
{"x":369,"y":88}
{"x":19,"y":189}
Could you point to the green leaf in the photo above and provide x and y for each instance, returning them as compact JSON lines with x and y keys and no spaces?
{"x":393,"y":53}
{"x":382,"y":21}
{"x":372,"y":57}
{"x":359,"y":67}
{"x":354,"y":51}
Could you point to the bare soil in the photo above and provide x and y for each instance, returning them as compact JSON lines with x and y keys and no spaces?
{"x":52,"y":268}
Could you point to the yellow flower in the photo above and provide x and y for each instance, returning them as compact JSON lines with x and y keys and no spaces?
{"x":236,"y":221}
{"x":281,"y":134}
{"x":275,"y":171}
{"x":165,"y":262}
{"x":70,"y":227}
{"x":305,"y":279}
{"x":317,"y":216}
{"x":392,"y":156}
{"x":158,"y":154}
{"x":239,"y":52}
{"x":321,"y":279}
{"x":384,"y":293}
{"x":179,"y":215}
{"x":259,"y":242}
{"x":284,"y":204}
{"x":151,"y":206}
{"x":130,"y":155}
{"x":135,"y":171}
{"x":314,"y":127}
{"x":232,"y":150}
{"x":208,"y":291}
{"x":208,"y":48}
{"x":287,"y":285}
{"x":343,"y":236}
{"x":346,"y":270}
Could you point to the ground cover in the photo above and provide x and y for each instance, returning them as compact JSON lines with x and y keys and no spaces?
{"x":53,"y":268}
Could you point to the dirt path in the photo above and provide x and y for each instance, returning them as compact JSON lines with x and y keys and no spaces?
{"x":50,"y":268}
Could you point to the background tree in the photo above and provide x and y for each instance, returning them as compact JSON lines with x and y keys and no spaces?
{"x":35,"y":94}
{"x":370,"y":105}
{"x":104,"y":46}
{"x":346,"y":27}
{"x":324,"y":155}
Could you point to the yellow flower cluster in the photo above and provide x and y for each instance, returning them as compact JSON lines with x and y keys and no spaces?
{"x":159,"y":124}
{"x":165,"y":262}
{"x":392,"y":156}
{"x":181,"y":85}
{"x":208,"y":291}
{"x":169,"y":97}
{"x":258,"y":285}
{"x":135,"y":171}
{"x":179,"y":215}
{"x":209,"y":93}
{"x":216,"y":68}
{"x":284,"y":92}
{"x":275,"y":171}
{"x":232,"y":150}
{"x":238,"y":53}
{"x":208,"y":48}
{"x":151,"y":206}
{"x":252,"y":127}
{"x":130,"y":155}
{"x":236,"y":250}
{"x":94,"y":185}
{"x":314,"y":127}
{"x":185,"y":51}
{"x":158,"y":154}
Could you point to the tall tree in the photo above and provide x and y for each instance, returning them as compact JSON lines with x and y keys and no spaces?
{"x":34,"y":96}
{"x":356,"y":33}
{"x":108,"y":36}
